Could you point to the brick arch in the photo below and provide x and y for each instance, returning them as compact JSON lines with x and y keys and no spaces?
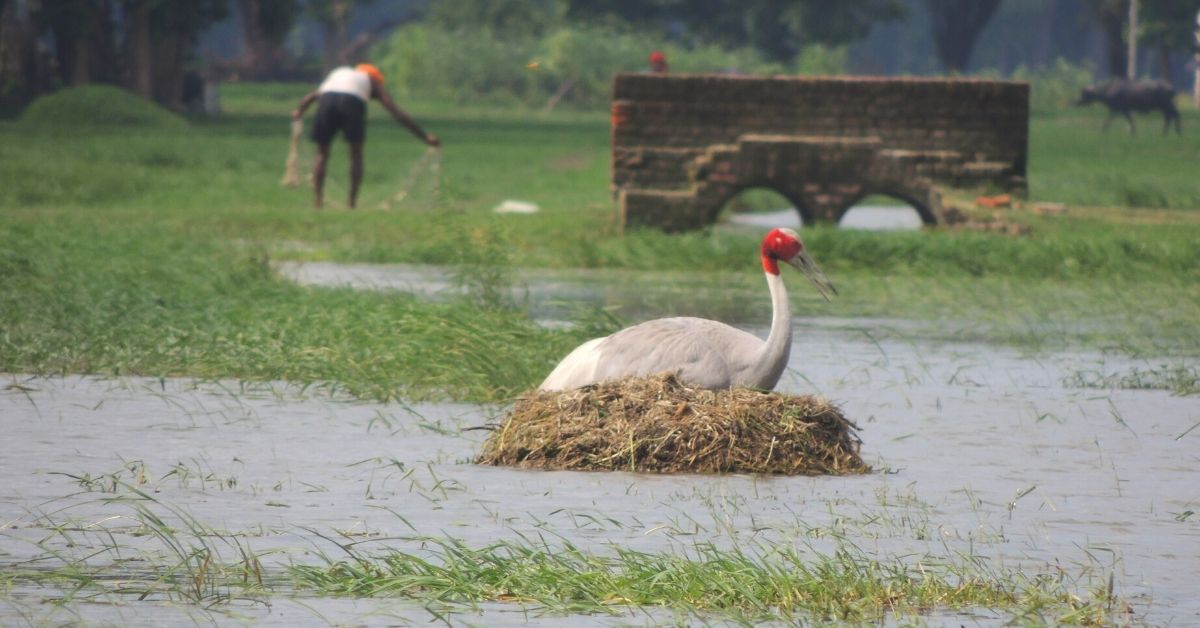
{"x":684,"y":144}
{"x":718,"y":203}
{"x":926,"y":201}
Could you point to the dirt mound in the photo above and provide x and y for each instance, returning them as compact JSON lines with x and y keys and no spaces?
{"x":98,"y":106}
{"x":657,"y":424}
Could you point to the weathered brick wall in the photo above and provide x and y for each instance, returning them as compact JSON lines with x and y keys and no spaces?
{"x":681,"y":142}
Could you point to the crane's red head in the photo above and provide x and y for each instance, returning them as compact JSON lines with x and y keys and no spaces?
{"x":784,"y":245}
{"x":779,"y":244}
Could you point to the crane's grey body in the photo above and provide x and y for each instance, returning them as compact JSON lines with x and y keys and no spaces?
{"x":703,"y":353}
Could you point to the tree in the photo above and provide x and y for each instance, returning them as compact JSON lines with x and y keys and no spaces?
{"x":1112,"y":14}
{"x":956,"y":27}
{"x":779,"y":30}
{"x":265,"y":26}
{"x":1169,"y":25}
{"x":160,"y":36}
{"x":507,"y":18}
{"x":334,"y":17}
{"x":83,"y":35}
{"x":23,"y":72}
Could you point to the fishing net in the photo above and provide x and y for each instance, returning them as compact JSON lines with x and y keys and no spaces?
{"x":431,"y":161}
{"x":291,"y":170}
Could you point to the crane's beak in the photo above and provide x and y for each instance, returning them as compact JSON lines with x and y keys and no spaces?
{"x":805,"y":264}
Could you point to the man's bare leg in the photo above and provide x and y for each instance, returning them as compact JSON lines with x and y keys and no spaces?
{"x":356,"y":170}
{"x":319,"y":174}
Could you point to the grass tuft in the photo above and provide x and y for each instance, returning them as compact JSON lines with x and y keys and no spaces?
{"x":762,"y":583}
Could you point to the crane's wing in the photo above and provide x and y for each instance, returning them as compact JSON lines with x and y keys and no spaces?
{"x":704,"y":353}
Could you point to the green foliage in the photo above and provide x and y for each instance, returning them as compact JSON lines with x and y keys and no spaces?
{"x":475,"y":63}
{"x":1169,"y":22}
{"x":164,"y":303}
{"x":779,"y":31}
{"x":100,"y":106}
{"x":1054,"y":86}
{"x":461,"y":66}
{"x":511,"y":19}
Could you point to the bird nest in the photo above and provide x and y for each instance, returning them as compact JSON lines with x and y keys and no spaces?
{"x":658,"y":424}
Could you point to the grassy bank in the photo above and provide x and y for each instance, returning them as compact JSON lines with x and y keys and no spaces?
{"x":146,"y":249}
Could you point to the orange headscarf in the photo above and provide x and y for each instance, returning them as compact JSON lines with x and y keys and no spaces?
{"x":371,"y":71}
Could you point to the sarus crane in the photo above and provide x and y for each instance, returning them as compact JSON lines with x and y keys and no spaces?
{"x":703,"y":353}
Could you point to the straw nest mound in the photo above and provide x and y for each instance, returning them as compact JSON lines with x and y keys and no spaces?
{"x":658,"y":424}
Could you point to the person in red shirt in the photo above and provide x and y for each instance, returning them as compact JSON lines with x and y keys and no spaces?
{"x":342,"y":106}
{"x":658,"y":62}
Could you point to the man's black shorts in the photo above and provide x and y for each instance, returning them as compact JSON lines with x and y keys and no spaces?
{"x":340,"y":112}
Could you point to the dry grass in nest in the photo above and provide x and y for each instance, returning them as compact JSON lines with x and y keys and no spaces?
{"x":658,"y":424}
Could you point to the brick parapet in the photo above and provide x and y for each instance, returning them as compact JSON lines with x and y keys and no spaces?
{"x":957,"y":133}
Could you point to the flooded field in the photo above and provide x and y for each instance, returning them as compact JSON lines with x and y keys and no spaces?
{"x":979,"y":452}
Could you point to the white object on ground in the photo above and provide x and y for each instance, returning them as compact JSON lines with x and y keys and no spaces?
{"x":516,"y":207}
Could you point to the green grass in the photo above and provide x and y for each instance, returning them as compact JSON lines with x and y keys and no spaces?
{"x":147,"y":548}
{"x":757,"y":584}
{"x":144,"y":249}
{"x":83,"y":294}
{"x":1073,"y":161}
{"x":100,"y":106}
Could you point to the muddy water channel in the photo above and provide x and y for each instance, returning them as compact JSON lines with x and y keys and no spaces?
{"x":982,"y":454}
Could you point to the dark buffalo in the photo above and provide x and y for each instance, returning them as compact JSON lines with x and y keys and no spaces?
{"x":1125,"y":97}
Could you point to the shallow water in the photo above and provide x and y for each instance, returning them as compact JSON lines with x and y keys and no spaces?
{"x":981,"y":450}
{"x":869,"y":217}
{"x":556,"y":297}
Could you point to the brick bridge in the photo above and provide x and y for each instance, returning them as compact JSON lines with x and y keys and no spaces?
{"x":683,"y":145}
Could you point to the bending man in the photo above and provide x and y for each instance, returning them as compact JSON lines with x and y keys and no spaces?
{"x":342,"y":106}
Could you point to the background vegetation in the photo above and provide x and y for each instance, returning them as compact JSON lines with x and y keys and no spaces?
{"x":148,"y":248}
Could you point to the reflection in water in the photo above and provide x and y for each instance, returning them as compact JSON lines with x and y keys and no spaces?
{"x":984,"y":451}
{"x":870,"y":217}
{"x":553,"y":296}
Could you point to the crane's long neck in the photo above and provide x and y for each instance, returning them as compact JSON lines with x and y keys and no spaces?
{"x":773,"y":355}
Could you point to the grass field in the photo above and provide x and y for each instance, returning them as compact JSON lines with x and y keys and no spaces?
{"x":144,"y":244}
{"x":146,"y":249}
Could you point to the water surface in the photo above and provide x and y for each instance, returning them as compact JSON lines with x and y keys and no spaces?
{"x":979,"y":450}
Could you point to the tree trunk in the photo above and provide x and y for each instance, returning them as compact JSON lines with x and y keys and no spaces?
{"x":1112,"y":22}
{"x":1131,"y":69}
{"x":956,"y":27}
{"x":248,"y":11}
{"x":141,"y":53}
{"x":1164,"y":56}
{"x":260,"y":53}
{"x":24,"y":73}
{"x":170,"y":51}
{"x":335,"y":35}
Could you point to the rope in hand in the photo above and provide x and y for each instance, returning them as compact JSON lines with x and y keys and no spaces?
{"x":291,"y":171}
